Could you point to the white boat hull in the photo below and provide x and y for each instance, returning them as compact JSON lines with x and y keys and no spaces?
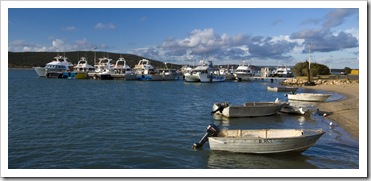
{"x":191,"y":77}
{"x":250,"y":109}
{"x":130,"y":77}
{"x":40,"y":71}
{"x":212,"y":78}
{"x":282,"y":89}
{"x":309,"y":97}
{"x":265,"y":141}
{"x":147,"y":77}
{"x":204,"y":78}
{"x":240,"y":76}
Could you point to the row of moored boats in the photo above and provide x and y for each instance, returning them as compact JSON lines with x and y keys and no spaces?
{"x":106,"y":68}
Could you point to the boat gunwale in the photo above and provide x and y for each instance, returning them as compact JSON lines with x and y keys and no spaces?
{"x":312,"y":132}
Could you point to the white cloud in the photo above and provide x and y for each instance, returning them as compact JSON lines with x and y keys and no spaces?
{"x":56,"y":44}
{"x":103,"y":26}
{"x":201,"y":42}
{"x":23,"y":46}
{"x":353,"y":31}
{"x":69,"y":28}
{"x":206,"y":43}
{"x":143,"y":18}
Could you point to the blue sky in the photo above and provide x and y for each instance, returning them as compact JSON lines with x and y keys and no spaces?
{"x":260,"y":36}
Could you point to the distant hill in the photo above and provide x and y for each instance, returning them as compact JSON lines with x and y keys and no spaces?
{"x":34,"y":59}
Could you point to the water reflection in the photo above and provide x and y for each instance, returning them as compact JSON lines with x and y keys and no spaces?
{"x":264,"y":122}
{"x":281,"y":120}
{"x":228,"y":160}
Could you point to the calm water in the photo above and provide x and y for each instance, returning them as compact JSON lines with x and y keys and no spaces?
{"x":56,"y":123}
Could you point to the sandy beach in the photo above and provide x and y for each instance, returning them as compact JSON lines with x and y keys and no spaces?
{"x":345,"y":112}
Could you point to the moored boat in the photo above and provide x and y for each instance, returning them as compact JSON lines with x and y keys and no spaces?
{"x":145,"y":71}
{"x":282,"y":71}
{"x":120,"y":69}
{"x":248,"y":109}
{"x":260,"y":141}
{"x":311,"y":97}
{"x":169,"y":74}
{"x":282,"y":89}
{"x":83,"y":69}
{"x":103,"y":68}
{"x":59,"y":68}
{"x":244,"y":72}
{"x":205,"y":72}
{"x":55,"y":68}
{"x":228,"y":73}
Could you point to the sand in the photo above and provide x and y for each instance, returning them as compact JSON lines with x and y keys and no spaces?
{"x":345,"y":112}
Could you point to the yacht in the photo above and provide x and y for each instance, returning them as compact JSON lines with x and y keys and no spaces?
{"x":58,"y":68}
{"x":121,"y":67}
{"x":228,"y":73}
{"x":55,"y":68}
{"x":243,"y":72}
{"x":205,"y":72}
{"x":103,"y":68}
{"x":282,"y":71}
{"x":169,"y":74}
{"x":145,"y":71}
{"x":83,"y":69}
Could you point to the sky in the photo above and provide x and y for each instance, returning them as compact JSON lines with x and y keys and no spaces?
{"x":259,"y":36}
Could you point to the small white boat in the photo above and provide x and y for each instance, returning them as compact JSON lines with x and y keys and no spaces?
{"x":248,"y":109}
{"x":205,"y":72}
{"x":260,"y":141}
{"x":312,"y":97}
{"x":282,"y":89}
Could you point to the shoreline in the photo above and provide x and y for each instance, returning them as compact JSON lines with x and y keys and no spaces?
{"x":345,"y":112}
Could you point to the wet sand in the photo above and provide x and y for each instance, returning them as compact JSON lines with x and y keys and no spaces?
{"x":345,"y":112}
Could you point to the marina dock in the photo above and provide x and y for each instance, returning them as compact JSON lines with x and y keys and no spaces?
{"x":265,"y":78}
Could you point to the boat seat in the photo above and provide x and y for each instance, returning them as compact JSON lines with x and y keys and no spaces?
{"x":240,"y":134}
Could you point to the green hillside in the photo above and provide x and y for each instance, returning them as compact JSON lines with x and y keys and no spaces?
{"x":33,"y":59}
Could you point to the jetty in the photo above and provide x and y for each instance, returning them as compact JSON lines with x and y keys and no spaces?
{"x":266,"y":78}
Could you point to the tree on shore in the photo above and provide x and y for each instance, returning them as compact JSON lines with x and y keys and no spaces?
{"x":347,"y":70}
{"x":301,"y":69}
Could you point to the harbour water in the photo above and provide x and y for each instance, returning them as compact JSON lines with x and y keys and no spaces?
{"x":116,"y":124}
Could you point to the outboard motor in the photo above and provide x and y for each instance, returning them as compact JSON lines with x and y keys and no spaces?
{"x":211,"y":130}
{"x":220,"y":108}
